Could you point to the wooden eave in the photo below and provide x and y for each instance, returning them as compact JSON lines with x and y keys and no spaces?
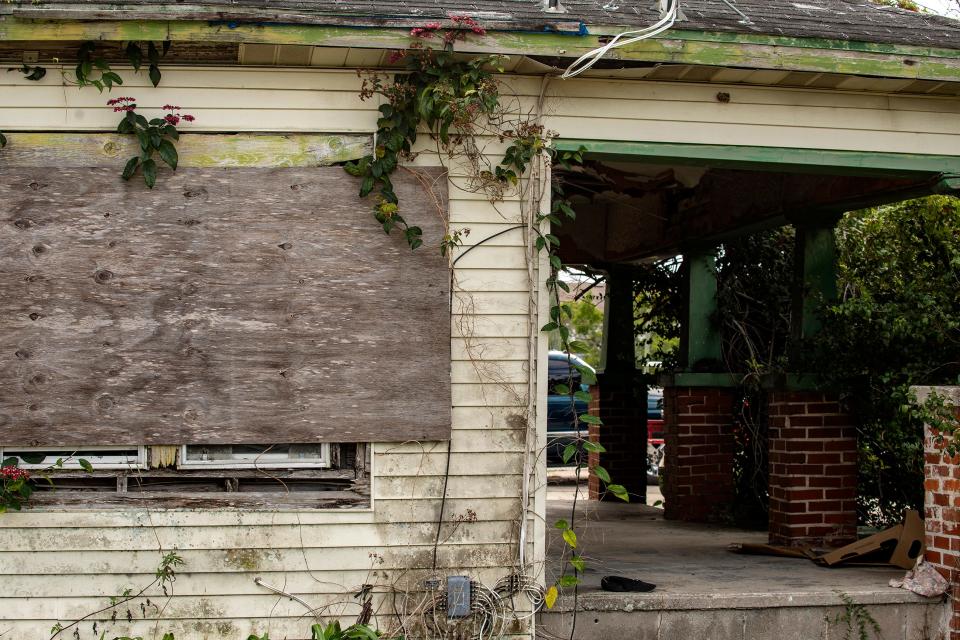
{"x":729,"y":50}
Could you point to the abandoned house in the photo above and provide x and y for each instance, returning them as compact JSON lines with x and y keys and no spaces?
{"x":236,"y":365}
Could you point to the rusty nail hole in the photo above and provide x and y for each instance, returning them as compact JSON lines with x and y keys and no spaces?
{"x":20,"y":223}
{"x":103,"y":275}
{"x":723,"y":97}
{"x":35,"y":185}
{"x":112,"y":244}
{"x":302,"y":281}
{"x":33,"y":407}
{"x":23,"y":354}
{"x":106,"y":215}
{"x":39,"y":249}
{"x":909,"y":62}
{"x":283,"y":374}
{"x":285,"y":246}
{"x":35,"y":316}
{"x":38,"y":379}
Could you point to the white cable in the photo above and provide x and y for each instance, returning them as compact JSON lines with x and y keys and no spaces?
{"x":590,"y":58}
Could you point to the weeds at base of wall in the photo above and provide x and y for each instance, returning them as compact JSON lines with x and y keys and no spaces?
{"x":855,"y":621}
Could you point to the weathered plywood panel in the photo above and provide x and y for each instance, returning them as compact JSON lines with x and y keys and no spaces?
{"x":225,"y":305}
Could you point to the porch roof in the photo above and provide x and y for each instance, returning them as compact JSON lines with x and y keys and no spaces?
{"x":841,"y":20}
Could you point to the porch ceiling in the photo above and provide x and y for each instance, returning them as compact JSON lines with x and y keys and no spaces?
{"x":635,"y":211}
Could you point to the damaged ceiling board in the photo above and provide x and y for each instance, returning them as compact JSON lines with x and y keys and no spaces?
{"x":241,"y":305}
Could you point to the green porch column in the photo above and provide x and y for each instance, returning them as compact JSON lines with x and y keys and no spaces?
{"x":815,"y":264}
{"x":700,"y":348}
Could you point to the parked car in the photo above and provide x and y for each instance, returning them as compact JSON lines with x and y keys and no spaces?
{"x":560,"y":413}
{"x":560,"y":422}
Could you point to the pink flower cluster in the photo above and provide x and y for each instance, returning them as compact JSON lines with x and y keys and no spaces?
{"x":174,"y":116}
{"x":466,"y":22}
{"x":13,"y":473}
{"x":123,"y":104}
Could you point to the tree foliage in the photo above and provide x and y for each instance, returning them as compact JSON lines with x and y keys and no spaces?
{"x":896,"y":324}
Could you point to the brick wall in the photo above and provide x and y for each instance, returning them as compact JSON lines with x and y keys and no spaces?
{"x":942,"y":518}
{"x":698,"y":468}
{"x":813,"y":470}
{"x":615,"y":400}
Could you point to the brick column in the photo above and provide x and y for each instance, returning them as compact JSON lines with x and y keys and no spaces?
{"x":698,"y":435}
{"x":813,"y":470}
{"x":621,"y":404}
{"x":942,"y":511}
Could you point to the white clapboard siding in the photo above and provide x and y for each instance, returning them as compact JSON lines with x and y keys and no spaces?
{"x":59,"y":564}
{"x":313,"y":99}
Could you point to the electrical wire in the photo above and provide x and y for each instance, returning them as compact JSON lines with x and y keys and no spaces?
{"x":590,"y":58}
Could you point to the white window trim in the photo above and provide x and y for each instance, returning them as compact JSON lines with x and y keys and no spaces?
{"x":71,"y":457}
{"x":261,"y":461}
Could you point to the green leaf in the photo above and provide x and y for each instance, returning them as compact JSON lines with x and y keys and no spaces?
{"x":10,"y":462}
{"x":589,"y":419}
{"x":578,"y":346}
{"x":135,"y":55}
{"x":85,"y":464}
{"x":602,"y":473}
{"x":568,"y":581}
{"x":32,"y":458}
{"x":561,"y":524}
{"x":568,"y":452}
{"x":550,"y":326}
{"x":562,"y":389}
{"x":570,"y":537}
{"x":593,"y":447}
{"x":578,"y":563}
{"x":154,"y":74}
{"x":583,"y":396}
{"x":366,"y":186}
{"x":550,"y":597}
{"x":111,"y":78}
{"x":619,"y":491}
{"x":131,"y":167}
{"x":587,"y":376}
{"x":150,"y":172}
{"x":168,"y":153}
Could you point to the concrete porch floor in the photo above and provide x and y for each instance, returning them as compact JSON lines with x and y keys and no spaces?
{"x":706,"y":592}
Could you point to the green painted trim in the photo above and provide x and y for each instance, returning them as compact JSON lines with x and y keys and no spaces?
{"x":768,"y":158}
{"x":680,"y":47}
{"x":688,"y":379}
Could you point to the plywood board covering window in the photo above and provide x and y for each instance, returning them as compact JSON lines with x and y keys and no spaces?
{"x":225,"y":306}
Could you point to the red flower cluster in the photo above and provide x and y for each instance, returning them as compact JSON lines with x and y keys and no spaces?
{"x":123,"y":104}
{"x":13,"y":473}
{"x":175,"y":118}
{"x":396,"y":56}
{"x":466,"y":22}
{"x":426,"y":31}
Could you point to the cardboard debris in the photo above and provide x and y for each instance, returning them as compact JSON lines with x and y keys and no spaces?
{"x":899,"y":546}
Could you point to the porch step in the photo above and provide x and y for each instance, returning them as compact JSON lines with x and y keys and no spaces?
{"x":899,"y":615}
